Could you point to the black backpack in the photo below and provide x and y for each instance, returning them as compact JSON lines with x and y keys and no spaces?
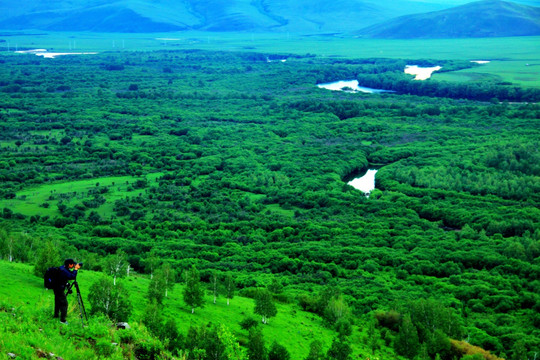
{"x":52,"y":278}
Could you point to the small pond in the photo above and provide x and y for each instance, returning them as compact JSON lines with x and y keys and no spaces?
{"x":365,"y":182}
{"x":350,"y":86}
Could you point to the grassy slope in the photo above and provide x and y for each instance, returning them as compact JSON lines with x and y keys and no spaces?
{"x":220,"y":15}
{"x":32,"y":327}
{"x":488,"y":18}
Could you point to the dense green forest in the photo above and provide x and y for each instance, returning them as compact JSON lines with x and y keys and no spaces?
{"x":235,"y":166}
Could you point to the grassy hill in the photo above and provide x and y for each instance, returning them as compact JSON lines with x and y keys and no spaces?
{"x":490,"y":18}
{"x":28,"y":330}
{"x":212,"y":15}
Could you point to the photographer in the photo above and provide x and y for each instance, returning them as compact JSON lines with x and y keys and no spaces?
{"x":67,"y":272}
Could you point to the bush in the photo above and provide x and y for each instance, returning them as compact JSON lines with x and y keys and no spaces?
{"x":148,"y":349}
{"x":248,"y":323}
{"x":104,"y":348}
{"x":389,"y":319}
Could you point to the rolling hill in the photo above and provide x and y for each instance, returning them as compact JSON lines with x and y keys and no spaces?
{"x":489,"y":18}
{"x":211,"y":15}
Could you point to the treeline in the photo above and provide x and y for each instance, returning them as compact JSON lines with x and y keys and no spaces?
{"x":482,"y":91}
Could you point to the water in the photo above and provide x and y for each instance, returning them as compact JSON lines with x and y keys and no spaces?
{"x":350,"y":86}
{"x":51,"y":55}
{"x":422,"y":73}
{"x":365,"y":183}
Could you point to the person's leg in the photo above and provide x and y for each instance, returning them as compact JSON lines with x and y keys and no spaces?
{"x":63,"y":306}
{"x":56,"y":303}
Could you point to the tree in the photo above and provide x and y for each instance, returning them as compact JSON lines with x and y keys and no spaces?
{"x":256,"y":349}
{"x":406,"y":342}
{"x":47,"y":256}
{"x":169,"y":277}
{"x":151,"y":263}
{"x":214,"y":284}
{"x":193,"y":293}
{"x":229,"y":287}
{"x":372,"y":336}
{"x":264,"y":305}
{"x":339,"y":350}
{"x":116,"y":265}
{"x":94,"y":217}
{"x":519,"y":351}
{"x":155,"y":288}
{"x":315,"y":351}
{"x":152,"y":318}
{"x":233,"y":350}
{"x":212,"y":344}
{"x":7,"y":244}
{"x":336,"y":309}
{"x":278,"y":352}
{"x":275,"y":286}
{"x":14,"y":246}
{"x":110,"y":299}
{"x":174,"y":339}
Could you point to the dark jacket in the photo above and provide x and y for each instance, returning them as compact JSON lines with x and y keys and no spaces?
{"x":65,"y":276}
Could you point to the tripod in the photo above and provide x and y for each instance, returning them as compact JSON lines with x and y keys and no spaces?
{"x":82,"y":310}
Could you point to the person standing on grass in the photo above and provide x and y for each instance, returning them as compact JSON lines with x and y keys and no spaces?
{"x":67,"y":272}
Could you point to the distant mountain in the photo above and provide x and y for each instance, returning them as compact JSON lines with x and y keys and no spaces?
{"x":489,"y":18}
{"x":209,"y":15}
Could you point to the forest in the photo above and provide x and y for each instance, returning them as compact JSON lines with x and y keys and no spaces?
{"x":225,"y":164}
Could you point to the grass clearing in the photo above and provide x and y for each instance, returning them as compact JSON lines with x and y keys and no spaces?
{"x":278,"y":209}
{"x":30,"y":201}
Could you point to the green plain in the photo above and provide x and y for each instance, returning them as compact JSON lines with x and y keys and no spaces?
{"x":509,"y":56}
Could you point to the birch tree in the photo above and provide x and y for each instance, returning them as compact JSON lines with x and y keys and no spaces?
{"x":193,"y":293}
{"x":155,"y":288}
{"x":151,"y":263}
{"x":230,"y":287}
{"x":169,"y":277}
{"x":264,"y":305}
{"x":214,"y":285}
{"x":116,"y":265}
{"x":109,"y":299}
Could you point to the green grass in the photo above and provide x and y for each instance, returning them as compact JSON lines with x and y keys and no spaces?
{"x":278,"y":209}
{"x":28,"y":201}
{"x":32,"y":327}
{"x":519,"y":72}
{"x":509,"y":55}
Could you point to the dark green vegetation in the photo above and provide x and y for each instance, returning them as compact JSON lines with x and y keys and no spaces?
{"x":487,"y":18}
{"x":235,"y":165}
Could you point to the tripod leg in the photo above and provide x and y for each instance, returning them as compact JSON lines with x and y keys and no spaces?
{"x":83,"y":310}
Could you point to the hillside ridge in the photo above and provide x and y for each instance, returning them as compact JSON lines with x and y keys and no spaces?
{"x":486,"y":18}
{"x":145,"y":16}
